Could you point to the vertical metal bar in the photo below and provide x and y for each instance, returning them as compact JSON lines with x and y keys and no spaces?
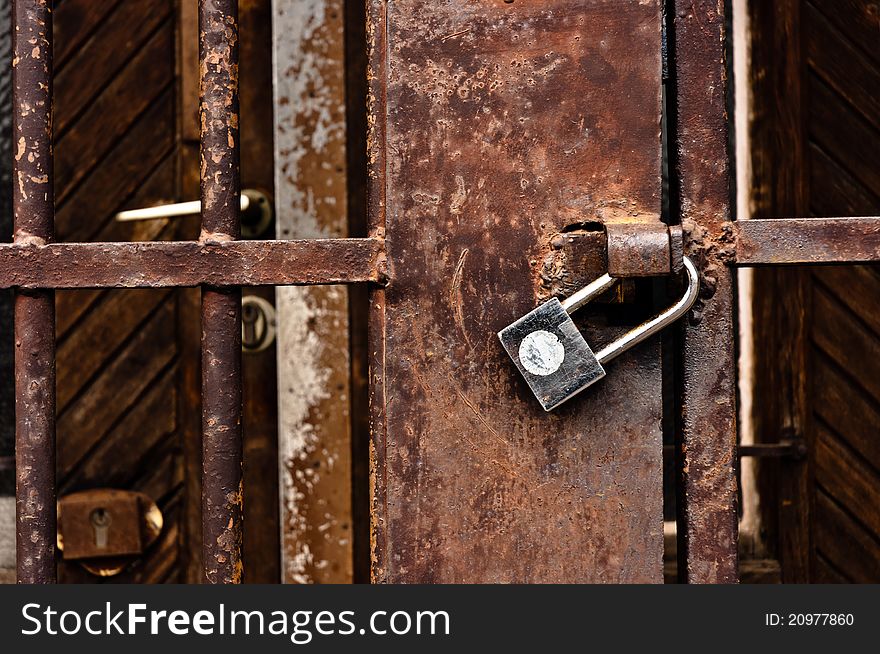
{"x":33,"y":206}
{"x":708,"y":531}
{"x":376,"y":334}
{"x":221,"y":307}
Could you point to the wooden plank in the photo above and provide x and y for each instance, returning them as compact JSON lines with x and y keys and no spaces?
{"x":841,"y":66}
{"x":845,"y":544}
{"x":189,"y":300}
{"x":116,"y":460}
{"x":95,"y":341}
{"x":313,"y":357}
{"x":844,"y":135}
{"x":852,"y":286}
{"x":858,"y":19}
{"x":834,"y":191}
{"x":138,"y":171}
{"x":495,"y":125}
{"x":846,"y":341}
{"x":115,"y":135}
{"x":114,"y":112}
{"x":71,"y":306}
{"x":73,"y":22}
{"x":106,"y":53}
{"x":846,"y":478}
{"x":847,"y":409}
{"x":826,"y":573}
{"x":88,"y":420}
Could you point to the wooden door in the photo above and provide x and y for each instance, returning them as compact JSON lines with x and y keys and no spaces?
{"x":116,"y":143}
{"x":816,"y":145}
{"x":126,"y":136}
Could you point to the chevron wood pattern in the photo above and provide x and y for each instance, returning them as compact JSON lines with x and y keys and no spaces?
{"x":116,"y":146}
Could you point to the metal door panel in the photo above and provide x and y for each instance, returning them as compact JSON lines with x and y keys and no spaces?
{"x":495,"y":126}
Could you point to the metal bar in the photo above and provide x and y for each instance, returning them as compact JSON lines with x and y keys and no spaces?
{"x":786,"y":449}
{"x":191,"y":263}
{"x":221,"y":306}
{"x":807,"y":241}
{"x":708,"y":529}
{"x":33,"y":206}
{"x":377,"y":332}
{"x":27,"y":264}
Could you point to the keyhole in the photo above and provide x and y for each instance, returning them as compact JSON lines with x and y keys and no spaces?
{"x":257,"y":324}
{"x":101,"y":520}
{"x":253,"y":327}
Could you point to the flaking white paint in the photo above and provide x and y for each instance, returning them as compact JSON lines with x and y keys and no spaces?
{"x":309,"y":121}
{"x":306,"y":111}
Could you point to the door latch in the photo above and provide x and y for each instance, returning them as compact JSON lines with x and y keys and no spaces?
{"x":553,"y":355}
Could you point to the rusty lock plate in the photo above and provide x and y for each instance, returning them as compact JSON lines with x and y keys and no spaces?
{"x":105,"y":530}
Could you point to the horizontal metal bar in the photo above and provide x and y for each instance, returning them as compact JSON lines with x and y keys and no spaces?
{"x":787,"y":449}
{"x":780,"y":241}
{"x":191,"y":263}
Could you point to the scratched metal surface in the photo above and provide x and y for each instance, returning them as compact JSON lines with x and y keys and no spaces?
{"x":494,"y":125}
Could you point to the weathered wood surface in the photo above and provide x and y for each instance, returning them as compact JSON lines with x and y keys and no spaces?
{"x":495,"y":125}
{"x":117,"y":353}
{"x":816,"y":136}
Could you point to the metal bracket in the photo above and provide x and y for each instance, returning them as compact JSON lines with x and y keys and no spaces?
{"x":645,"y":248}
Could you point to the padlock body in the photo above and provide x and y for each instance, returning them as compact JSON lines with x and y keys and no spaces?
{"x":552,"y":355}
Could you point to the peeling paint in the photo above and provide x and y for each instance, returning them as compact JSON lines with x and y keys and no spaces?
{"x":313,"y":359}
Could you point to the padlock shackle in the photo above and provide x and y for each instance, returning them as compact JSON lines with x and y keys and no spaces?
{"x":587,"y":293}
{"x":648,"y":329}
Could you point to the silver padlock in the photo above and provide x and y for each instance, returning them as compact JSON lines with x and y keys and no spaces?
{"x":553,"y":355}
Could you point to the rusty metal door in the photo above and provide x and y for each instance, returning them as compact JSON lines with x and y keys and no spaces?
{"x":514,"y":152}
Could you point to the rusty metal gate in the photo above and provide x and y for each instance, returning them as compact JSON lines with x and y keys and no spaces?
{"x":514,"y":152}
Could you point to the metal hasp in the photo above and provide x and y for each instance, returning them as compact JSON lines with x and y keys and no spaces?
{"x":554,"y":357}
